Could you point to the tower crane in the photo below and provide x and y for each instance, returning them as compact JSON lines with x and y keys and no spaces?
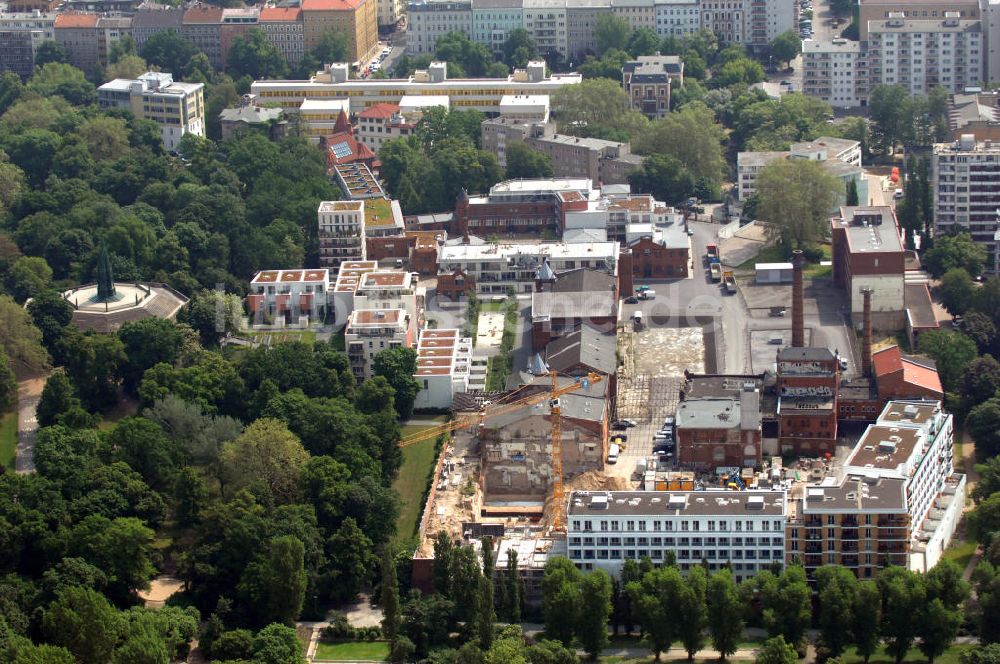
{"x":493,"y":410}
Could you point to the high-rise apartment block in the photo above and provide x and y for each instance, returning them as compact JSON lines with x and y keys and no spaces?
{"x":835,"y":71}
{"x":920,"y":45}
{"x":568,"y":26}
{"x":179,"y":108}
{"x":357,"y":18}
{"x":966,"y":181}
{"x":341,"y":232}
{"x":20,"y":35}
{"x":896,"y":501}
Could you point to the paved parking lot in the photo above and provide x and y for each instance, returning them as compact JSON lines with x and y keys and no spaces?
{"x":647,"y":400}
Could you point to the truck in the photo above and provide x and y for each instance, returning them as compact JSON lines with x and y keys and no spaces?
{"x":712,"y":251}
{"x":647,"y":294}
{"x":729,"y":280}
{"x":613,"y":454}
{"x":716,"y":270}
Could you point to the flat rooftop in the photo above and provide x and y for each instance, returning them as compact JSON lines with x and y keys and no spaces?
{"x":857,"y":493}
{"x":547,"y":185}
{"x":291,"y":276}
{"x":380,"y":280}
{"x":488,"y":252}
{"x":829,"y":143}
{"x":375,"y":317}
{"x":676,"y":503}
{"x":350,"y":274}
{"x":336,"y":206}
{"x":885,"y":447}
{"x":870,"y":229}
{"x":709,"y":413}
{"x":910,"y":412}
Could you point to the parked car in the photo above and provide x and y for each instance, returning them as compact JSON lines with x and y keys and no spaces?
{"x":632,"y":299}
{"x":623,"y":423}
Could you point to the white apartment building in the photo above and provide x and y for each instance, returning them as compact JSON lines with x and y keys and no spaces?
{"x":545,"y":21}
{"x":676,"y":18}
{"x":835,"y":71}
{"x":289,"y":297}
{"x":369,"y":332}
{"x":380,"y":123}
{"x":179,"y":108}
{"x":341,"y":232}
{"x":895,"y":501}
{"x":493,"y":21}
{"x":743,"y":530}
{"x":483,"y":94}
{"x":444,"y":363}
{"x":348,"y":277}
{"x":921,"y":54}
{"x":966,"y":183}
{"x":390,"y":289}
{"x":525,"y":108}
{"x":499,"y":267}
{"x":615,"y":214}
{"x":825,"y":149}
{"x":429,"y":20}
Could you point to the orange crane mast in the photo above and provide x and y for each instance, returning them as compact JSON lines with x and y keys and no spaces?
{"x":493,"y":410}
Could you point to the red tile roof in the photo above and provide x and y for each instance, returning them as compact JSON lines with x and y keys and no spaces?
{"x":379,"y":111}
{"x":203,"y":15}
{"x":891,"y":360}
{"x":330,"y":5}
{"x":71,"y":20}
{"x":280,"y":14}
{"x":887,"y":361}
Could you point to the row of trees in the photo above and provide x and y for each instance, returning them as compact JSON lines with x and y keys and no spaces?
{"x":900,"y":608}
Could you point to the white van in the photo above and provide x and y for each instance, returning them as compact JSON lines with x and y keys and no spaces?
{"x":613,"y":452}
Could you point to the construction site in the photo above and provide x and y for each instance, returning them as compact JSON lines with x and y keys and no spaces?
{"x":602,"y":417}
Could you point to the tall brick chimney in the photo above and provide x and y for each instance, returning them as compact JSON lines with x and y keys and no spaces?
{"x":798,"y":319}
{"x":866,"y":342}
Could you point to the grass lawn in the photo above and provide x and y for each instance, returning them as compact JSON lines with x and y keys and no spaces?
{"x":8,"y":439}
{"x":487,"y":306}
{"x":960,"y":552}
{"x":352,"y":650}
{"x":775,"y":254}
{"x":914,"y":656}
{"x":418,"y":460}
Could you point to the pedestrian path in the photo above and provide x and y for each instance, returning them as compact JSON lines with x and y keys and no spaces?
{"x":29,"y":393}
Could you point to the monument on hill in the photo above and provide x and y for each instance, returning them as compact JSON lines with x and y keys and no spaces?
{"x":105,"y":278}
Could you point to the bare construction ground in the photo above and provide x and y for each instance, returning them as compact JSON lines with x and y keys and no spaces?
{"x":663,"y":351}
{"x":455,"y":496}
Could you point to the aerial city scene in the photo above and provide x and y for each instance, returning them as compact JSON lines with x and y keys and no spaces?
{"x":499,"y":331}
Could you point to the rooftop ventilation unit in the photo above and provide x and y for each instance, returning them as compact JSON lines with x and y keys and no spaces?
{"x":598,"y":502}
{"x":887,"y":446}
{"x":755,"y":503}
{"x":677,"y":502}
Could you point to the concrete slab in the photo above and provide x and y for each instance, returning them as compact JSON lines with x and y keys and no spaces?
{"x":668,"y":351}
{"x":489,"y":330}
{"x":763,"y":351}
